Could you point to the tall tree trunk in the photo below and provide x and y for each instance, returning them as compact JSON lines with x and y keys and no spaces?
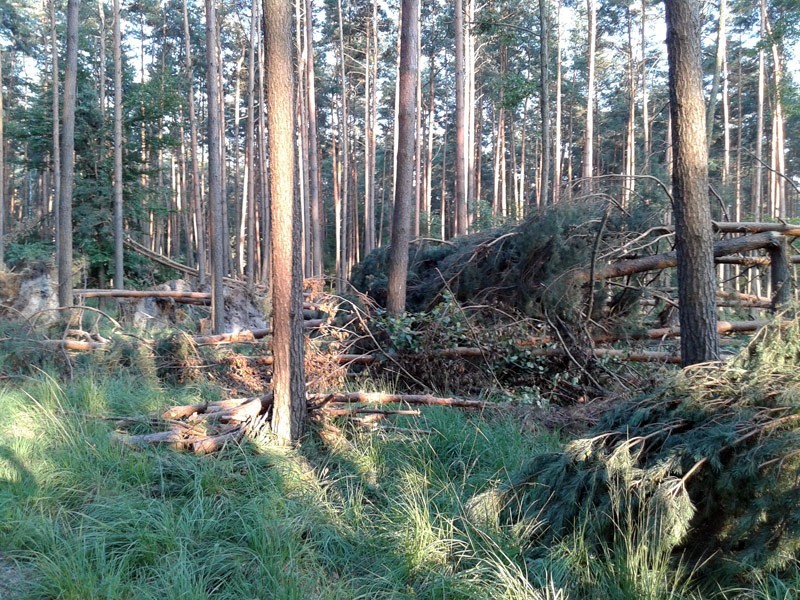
{"x":56,"y":123}
{"x":460,"y":200}
{"x":119,"y":268}
{"x":344,"y":259}
{"x":726,"y":119}
{"x":693,"y":229}
{"x":588,"y":143}
{"x":314,"y":196}
{"x":263,"y":170}
{"x":288,"y":380}
{"x":429,"y":146}
{"x":215,"y":169}
{"x":250,"y":161}
{"x":738,"y":168}
{"x":369,"y":133}
{"x":196,"y":199}
{"x":240,"y":212}
{"x":301,"y":156}
{"x":473,"y":124}
{"x":777,"y":151}
{"x":443,"y":212}
{"x":336,"y":170}
{"x":758,"y":187}
{"x":101,"y":79}
{"x":67,"y":157}
{"x":418,"y":140}
{"x":629,"y":182}
{"x":2,"y":174}
{"x":645,"y":93}
{"x":557,"y":153}
{"x":544,"y":100}
{"x":718,"y":65}
{"x":398,"y":253}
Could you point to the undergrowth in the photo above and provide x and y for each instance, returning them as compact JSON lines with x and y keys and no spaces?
{"x":353,"y":515}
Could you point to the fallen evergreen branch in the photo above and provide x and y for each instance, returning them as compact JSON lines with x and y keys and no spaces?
{"x":706,"y":468}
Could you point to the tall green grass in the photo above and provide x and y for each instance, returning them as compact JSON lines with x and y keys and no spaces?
{"x":363,"y":515}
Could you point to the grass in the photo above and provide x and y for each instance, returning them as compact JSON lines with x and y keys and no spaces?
{"x":366,"y":515}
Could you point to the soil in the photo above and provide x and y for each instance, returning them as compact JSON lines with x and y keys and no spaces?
{"x":12,"y":579}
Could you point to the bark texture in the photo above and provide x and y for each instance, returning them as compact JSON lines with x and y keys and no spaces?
{"x":119,"y":272}
{"x":404,"y":190}
{"x":215,"y":172}
{"x":290,"y":411}
{"x":68,"y":158}
{"x":693,"y":227}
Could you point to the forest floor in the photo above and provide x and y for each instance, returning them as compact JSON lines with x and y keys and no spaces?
{"x":351,"y":514}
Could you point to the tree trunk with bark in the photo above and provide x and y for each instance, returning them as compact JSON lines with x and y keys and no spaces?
{"x":67,"y":157}
{"x":2,"y":174}
{"x":215,"y":172}
{"x":196,"y":200}
{"x":693,"y":228}
{"x":588,"y":140}
{"x":119,"y":268}
{"x":314,"y":196}
{"x":404,"y":191}
{"x":544,"y":101}
{"x":289,"y":412}
{"x":460,"y":200}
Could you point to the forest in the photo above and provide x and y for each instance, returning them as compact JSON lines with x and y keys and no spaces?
{"x":399,"y":299}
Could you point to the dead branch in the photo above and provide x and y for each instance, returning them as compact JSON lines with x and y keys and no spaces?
{"x":358,"y":410}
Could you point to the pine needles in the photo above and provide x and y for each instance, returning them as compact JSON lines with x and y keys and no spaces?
{"x":705,"y":469}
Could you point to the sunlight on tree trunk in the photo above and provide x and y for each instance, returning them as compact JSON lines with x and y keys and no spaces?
{"x":288,"y":380}
{"x":68,"y":158}
{"x":693,"y":231}
{"x":404,"y":192}
{"x":119,"y":269}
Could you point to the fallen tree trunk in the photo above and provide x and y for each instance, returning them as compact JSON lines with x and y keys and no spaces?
{"x":167,"y":262}
{"x":189,"y":297}
{"x":753,"y":261}
{"x":381,"y":398}
{"x":788,"y":229}
{"x":657,"y":262}
{"x":175,"y":295}
{"x":358,"y":410}
{"x":246,"y":335}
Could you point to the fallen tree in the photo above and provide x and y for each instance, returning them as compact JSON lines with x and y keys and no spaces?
{"x":704,"y":469}
{"x":657,"y":262}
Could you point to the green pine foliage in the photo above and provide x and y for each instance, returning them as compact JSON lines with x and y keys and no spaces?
{"x":526,"y":267}
{"x":704,"y":470}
